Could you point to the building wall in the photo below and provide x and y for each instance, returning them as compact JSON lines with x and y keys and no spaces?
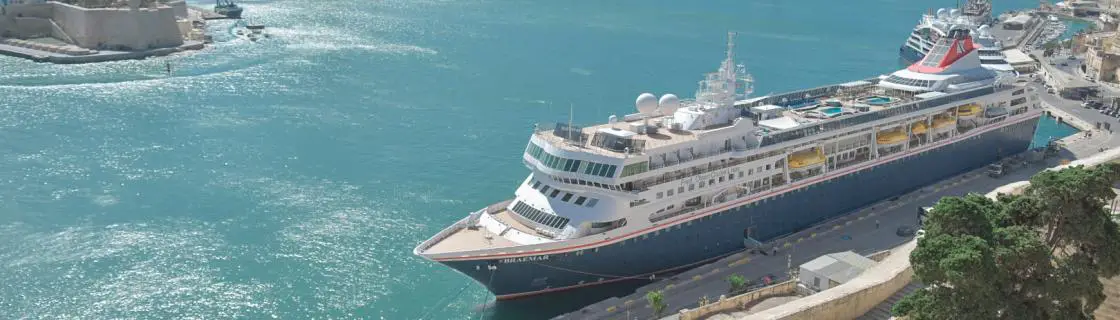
{"x":26,"y":27}
{"x":38,"y":10}
{"x":120,"y":29}
{"x":806,"y":276}
{"x":179,"y":8}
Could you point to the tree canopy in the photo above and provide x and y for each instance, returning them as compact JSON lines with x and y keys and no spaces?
{"x":1036,"y":255}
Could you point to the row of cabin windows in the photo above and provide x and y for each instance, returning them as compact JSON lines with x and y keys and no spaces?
{"x":692,"y":186}
{"x":579,"y":201}
{"x":569,"y":165}
{"x":538,"y":216}
{"x":588,"y":183}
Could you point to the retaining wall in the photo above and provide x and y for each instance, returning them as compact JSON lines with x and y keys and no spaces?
{"x":740,"y":302}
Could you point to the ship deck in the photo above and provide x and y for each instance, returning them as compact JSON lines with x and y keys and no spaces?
{"x":804,"y":114}
{"x":468,"y":239}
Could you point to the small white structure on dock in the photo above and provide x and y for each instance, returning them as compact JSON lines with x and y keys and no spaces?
{"x":833,"y":269}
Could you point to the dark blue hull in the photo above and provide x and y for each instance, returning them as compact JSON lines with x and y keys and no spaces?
{"x":910,"y":55}
{"x":718,"y":235}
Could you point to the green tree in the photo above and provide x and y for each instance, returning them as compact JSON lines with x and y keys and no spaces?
{"x":738,"y":284}
{"x":1037,"y":255}
{"x":657,"y":302}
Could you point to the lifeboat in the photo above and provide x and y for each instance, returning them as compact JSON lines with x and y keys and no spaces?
{"x":941,"y":122}
{"x":969,"y":110}
{"x":918,"y":127}
{"x":890,"y":137}
{"x":805,"y":158}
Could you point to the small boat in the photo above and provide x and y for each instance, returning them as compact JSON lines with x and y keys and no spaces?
{"x":228,"y":8}
{"x":251,"y":31}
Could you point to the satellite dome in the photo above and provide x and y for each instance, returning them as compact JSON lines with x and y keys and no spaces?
{"x":646,"y":103}
{"x":669,"y":103}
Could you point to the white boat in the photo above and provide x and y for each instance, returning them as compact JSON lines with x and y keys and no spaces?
{"x":686,"y":181}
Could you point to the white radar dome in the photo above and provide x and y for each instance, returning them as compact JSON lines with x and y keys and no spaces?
{"x":942,"y":12}
{"x":646,"y":103}
{"x":955,"y":13}
{"x":669,"y":103}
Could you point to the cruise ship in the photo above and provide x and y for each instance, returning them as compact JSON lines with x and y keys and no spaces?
{"x":683,"y":182}
{"x":977,"y":16}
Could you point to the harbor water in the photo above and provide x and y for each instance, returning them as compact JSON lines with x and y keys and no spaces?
{"x":291,"y":177}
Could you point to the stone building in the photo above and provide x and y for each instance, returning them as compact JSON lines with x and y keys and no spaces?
{"x":1102,"y":56}
{"x":127,"y":25}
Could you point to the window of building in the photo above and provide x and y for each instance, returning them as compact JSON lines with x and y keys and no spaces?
{"x":691,"y":186}
{"x":669,"y":193}
{"x":554,"y":193}
{"x":567,"y":197}
{"x":592,"y":202}
{"x":701,"y":184}
{"x":712,"y":181}
{"x":680,"y":189}
{"x":544,"y":189}
{"x":660,"y":195}
{"x":580,"y":200}
{"x":740,"y":174}
{"x":536,"y":184}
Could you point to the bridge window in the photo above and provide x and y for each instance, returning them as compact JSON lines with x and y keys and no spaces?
{"x":592,"y":202}
{"x":580,"y":200}
{"x":541,"y":217}
{"x":635,"y":168}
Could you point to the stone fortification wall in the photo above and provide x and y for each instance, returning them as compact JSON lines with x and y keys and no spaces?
{"x":28,"y":27}
{"x":179,"y":7}
{"x":119,"y":29}
{"x":31,"y":10}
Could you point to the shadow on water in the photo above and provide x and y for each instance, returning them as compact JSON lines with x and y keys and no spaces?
{"x":556,"y":304}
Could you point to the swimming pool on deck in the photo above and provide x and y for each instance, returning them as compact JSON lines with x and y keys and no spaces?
{"x":878,"y":100}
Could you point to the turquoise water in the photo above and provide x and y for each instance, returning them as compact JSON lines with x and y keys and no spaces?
{"x":291,"y":178}
{"x":831,"y":111}
{"x":876,"y":101}
{"x":1049,"y":128}
{"x":1073,"y":27}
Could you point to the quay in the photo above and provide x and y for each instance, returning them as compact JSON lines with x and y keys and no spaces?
{"x":96,"y":31}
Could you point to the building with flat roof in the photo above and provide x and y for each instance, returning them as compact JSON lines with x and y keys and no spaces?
{"x":1022,"y":62}
{"x":833,"y":269}
{"x":1018,"y":22}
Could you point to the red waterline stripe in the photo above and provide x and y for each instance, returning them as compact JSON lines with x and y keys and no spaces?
{"x":710,"y":211}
